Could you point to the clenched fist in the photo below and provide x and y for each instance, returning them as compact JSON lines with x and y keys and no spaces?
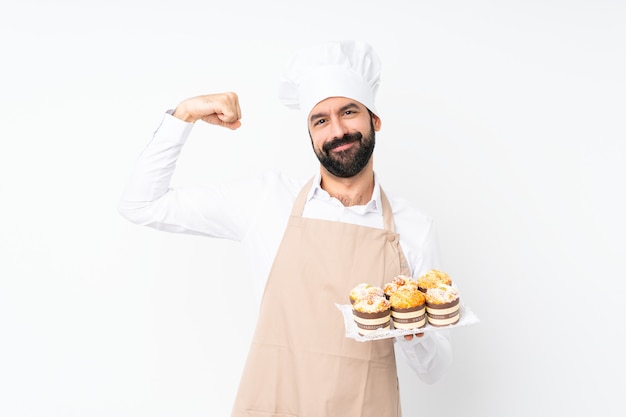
{"x":220,"y":109}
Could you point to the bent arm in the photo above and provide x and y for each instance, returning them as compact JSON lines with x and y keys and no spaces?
{"x":429,"y":356}
{"x":149,"y":200}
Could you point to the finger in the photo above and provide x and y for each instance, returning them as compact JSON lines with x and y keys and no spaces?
{"x":231,"y":106}
{"x":232,"y":126}
{"x":409,"y":337}
{"x":229,"y":117}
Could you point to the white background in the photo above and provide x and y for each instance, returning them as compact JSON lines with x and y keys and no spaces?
{"x":504,"y":120}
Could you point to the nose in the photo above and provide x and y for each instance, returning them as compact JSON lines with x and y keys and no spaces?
{"x":338,"y":128}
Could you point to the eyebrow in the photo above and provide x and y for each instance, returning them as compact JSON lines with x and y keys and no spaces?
{"x":341,"y":110}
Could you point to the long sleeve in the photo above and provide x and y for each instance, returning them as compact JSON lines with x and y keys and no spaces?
{"x":429,"y":356}
{"x":218,"y":210}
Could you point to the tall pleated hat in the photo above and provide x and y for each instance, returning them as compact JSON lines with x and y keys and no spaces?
{"x":334,"y":69}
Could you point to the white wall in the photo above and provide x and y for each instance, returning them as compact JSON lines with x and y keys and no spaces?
{"x":502,"y":119}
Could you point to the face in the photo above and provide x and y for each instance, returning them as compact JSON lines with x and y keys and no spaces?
{"x":343,"y":135}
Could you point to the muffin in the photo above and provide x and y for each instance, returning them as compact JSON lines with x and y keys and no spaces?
{"x":432,"y":279}
{"x":372,"y":313}
{"x":397,"y":282}
{"x":442,"y":305}
{"x":363,"y":291}
{"x":408,"y":308}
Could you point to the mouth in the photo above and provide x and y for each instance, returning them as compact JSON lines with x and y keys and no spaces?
{"x":342,"y":144}
{"x":343,"y":147}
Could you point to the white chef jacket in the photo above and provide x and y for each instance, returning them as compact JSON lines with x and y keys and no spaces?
{"x":255,"y":213}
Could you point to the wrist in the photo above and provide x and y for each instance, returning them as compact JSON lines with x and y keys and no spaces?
{"x":182,"y":114}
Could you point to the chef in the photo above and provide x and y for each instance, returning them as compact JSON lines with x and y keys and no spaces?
{"x":309,"y":242}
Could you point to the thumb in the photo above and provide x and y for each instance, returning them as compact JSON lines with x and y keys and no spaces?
{"x":229,"y":120}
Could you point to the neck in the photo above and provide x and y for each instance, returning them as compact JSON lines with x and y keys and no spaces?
{"x":353,"y":191}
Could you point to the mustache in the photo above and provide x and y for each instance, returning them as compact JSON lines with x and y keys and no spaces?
{"x":347,"y":138}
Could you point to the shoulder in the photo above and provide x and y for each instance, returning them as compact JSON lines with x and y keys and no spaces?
{"x":277,"y":182}
{"x":415,"y":226}
{"x":418,"y":235}
{"x":405,"y":211}
{"x":276,"y":188}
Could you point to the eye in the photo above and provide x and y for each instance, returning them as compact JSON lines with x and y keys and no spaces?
{"x":319,"y":122}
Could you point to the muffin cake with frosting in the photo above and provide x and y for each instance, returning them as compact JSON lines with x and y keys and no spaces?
{"x":399,"y":281}
{"x":364,"y":290}
{"x":406,"y":303}
{"x":442,"y":305}
{"x":372,"y":311}
{"x":432,"y":279}
{"x":408,"y":308}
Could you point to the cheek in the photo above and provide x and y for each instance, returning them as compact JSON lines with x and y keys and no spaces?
{"x":317,"y":142}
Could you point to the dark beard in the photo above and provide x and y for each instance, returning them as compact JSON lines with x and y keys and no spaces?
{"x":348,"y":163}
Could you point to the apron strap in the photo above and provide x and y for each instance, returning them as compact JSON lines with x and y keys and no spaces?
{"x":298,"y":206}
{"x":387,"y":213}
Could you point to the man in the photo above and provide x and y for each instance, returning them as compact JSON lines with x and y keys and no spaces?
{"x":309,"y":243}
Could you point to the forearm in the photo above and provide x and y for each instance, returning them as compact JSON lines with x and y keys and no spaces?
{"x":429,"y":356}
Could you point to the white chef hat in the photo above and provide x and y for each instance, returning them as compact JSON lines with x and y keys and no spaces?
{"x":335,"y":69}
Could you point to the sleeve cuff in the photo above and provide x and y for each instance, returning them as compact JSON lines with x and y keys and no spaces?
{"x":172,"y":129}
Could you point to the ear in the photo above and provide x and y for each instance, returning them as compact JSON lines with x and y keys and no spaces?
{"x":376,"y":122}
